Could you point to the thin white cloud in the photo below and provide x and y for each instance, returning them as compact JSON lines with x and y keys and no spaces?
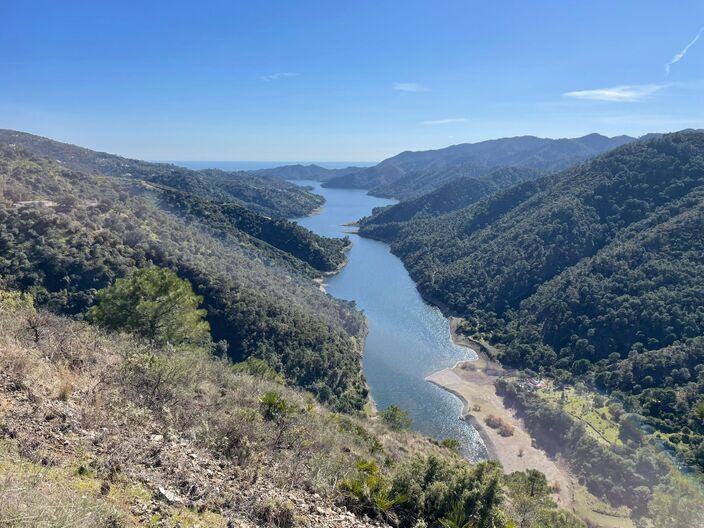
{"x":409,"y":87}
{"x":618,"y":94}
{"x":277,"y":76}
{"x":679,"y":56}
{"x":447,"y":121}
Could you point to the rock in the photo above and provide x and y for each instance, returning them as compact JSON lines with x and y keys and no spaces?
{"x":170,"y":496}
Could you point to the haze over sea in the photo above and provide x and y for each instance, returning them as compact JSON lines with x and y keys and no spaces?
{"x":256,"y":165}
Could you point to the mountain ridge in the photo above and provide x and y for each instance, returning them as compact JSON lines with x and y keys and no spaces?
{"x":388,"y":177}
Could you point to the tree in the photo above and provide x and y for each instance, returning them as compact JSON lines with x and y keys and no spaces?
{"x":155,"y":303}
{"x":396,"y":418}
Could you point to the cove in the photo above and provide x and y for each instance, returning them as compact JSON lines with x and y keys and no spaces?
{"x":408,"y":339}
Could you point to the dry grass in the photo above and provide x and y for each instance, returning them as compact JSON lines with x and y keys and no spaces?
{"x":119,"y":393}
{"x":33,"y":496}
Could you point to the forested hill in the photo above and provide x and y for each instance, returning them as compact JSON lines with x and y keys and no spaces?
{"x":306,"y":172}
{"x":266,"y":194}
{"x":65,"y":234}
{"x":411,"y":174}
{"x":452,"y":196}
{"x":583,"y":273}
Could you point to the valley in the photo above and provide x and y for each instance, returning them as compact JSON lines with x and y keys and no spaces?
{"x":318,"y":306}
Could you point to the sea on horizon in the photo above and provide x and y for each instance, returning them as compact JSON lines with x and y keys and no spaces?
{"x":255,"y":165}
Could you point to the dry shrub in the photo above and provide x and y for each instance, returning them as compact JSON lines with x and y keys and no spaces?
{"x":237,"y":435}
{"x":15,"y":362}
{"x":506,"y":430}
{"x":493,"y":421}
{"x":65,"y":381}
{"x":502,"y":427}
{"x":277,"y":513}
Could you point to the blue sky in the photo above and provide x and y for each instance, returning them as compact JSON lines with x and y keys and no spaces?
{"x":344,"y":80}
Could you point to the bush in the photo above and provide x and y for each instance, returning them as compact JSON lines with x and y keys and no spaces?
{"x":493,"y":421}
{"x":506,"y":430}
{"x":274,"y":407}
{"x":451,"y":444}
{"x":369,"y":493}
{"x":277,"y":513}
{"x":259,"y":369}
{"x":396,"y":418}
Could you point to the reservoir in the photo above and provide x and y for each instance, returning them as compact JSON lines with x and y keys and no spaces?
{"x":408,"y":339}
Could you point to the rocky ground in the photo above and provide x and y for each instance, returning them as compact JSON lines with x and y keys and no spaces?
{"x":173,"y":482}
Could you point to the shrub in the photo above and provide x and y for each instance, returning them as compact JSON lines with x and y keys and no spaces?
{"x":278,"y":513}
{"x":493,"y":421}
{"x":451,"y":444}
{"x":274,"y":407}
{"x":396,"y":418}
{"x":506,"y":430}
{"x":369,"y":493}
{"x":259,"y":369}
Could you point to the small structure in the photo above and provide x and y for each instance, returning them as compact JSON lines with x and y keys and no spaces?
{"x":535,"y":384}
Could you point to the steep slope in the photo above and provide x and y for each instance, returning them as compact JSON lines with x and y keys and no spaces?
{"x":578,"y":271}
{"x":265,"y":194}
{"x":456,"y":194}
{"x":411,"y":173}
{"x":306,"y":172}
{"x":102,"y":430}
{"x":254,"y":273}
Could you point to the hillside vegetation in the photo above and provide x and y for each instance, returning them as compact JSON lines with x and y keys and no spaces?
{"x":593,"y":274}
{"x":306,"y":172}
{"x":264,"y":194}
{"x":410,"y":174}
{"x":255,"y":274}
{"x":106,"y":430}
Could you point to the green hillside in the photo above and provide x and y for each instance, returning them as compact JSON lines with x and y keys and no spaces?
{"x":582,"y":274}
{"x":255,"y":274}
{"x":269,"y":195}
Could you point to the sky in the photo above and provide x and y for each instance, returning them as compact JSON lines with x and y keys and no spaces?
{"x":340,"y":80}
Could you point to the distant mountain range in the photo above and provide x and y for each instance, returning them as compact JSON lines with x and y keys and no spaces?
{"x":411,"y":174}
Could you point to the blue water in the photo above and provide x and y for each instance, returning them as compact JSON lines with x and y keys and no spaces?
{"x":408,"y":339}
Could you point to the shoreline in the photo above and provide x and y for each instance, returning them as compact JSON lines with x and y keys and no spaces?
{"x":472,"y":382}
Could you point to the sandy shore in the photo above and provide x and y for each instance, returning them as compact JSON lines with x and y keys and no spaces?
{"x":473,"y":383}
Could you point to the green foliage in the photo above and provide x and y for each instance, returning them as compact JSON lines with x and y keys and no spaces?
{"x":619,"y":476}
{"x":678,"y":503}
{"x":323,"y":254}
{"x":532,"y":504}
{"x":154,"y":303}
{"x":370,"y":493}
{"x":593,"y":273}
{"x":259,"y":369}
{"x":263,"y":194}
{"x":451,"y":444}
{"x":410,"y":174}
{"x":450,"y":490}
{"x":274,"y":407}
{"x":395,"y":417}
{"x":259,"y":299}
